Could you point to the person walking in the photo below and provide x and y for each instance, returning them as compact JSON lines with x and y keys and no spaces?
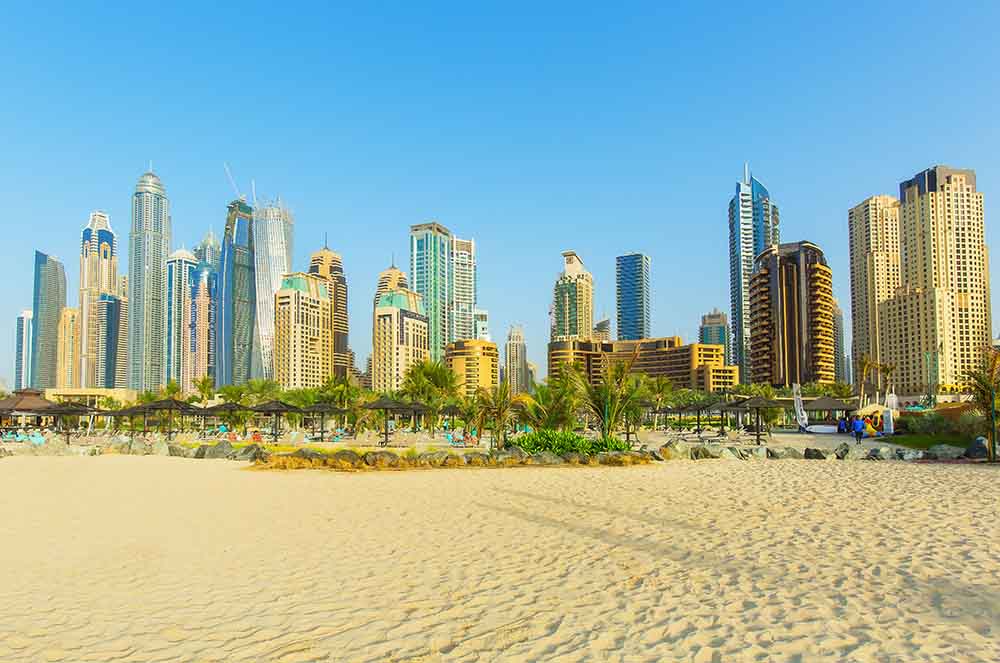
{"x":859,"y":429}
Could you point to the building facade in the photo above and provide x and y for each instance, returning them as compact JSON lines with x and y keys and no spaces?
{"x":272,"y":235}
{"x":67,"y":349}
{"x":791,"y":317}
{"x":840,"y":358}
{"x":692,"y":366}
{"x":237,"y":307}
{"x":390,"y":279}
{"x":632,"y":296}
{"x":431,"y":273}
{"x":181,"y":273}
{"x":753,"y":226}
{"x":573,"y":301}
{"x":204,"y":298}
{"x":602,"y":330}
{"x":209,"y":250}
{"x":714,"y":330}
{"x":148,"y":248}
{"x":936,"y":327}
{"x":112,"y":340}
{"x":401,"y":338}
{"x":475,"y":363}
{"x":303,"y":331}
{"x":481,"y":325}
{"x":327,"y":264}
{"x":873,"y":227}
{"x":48,"y":301}
{"x":22,"y":351}
{"x":98,"y":277}
{"x":515,"y":360}
{"x":462,"y":306}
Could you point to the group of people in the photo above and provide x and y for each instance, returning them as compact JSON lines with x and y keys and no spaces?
{"x":859,"y":427}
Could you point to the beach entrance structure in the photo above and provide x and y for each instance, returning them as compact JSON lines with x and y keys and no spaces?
{"x":386,"y":405}
{"x":276,"y":408}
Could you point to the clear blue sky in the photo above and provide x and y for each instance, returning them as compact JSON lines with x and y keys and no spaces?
{"x":532,"y":127}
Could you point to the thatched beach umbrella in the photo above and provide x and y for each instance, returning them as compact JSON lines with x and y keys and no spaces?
{"x":386,"y":405}
{"x":451,"y":410}
{"x":69,"y":410}
{"x":276,"y":408}
{"x":322,"y":409}
{"x":756,"y":404}
{"x":168,"y":405}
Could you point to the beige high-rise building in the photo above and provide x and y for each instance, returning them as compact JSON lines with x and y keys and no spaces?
{"x":873,"y":226}
{"x":399,"y":338}
{"x":935,"y":328}
{"x":303,"y":327}
{"x":328,"y":264}
{"x":476,"y":364}
{"x":391,"y":279}
{"x":67,"y":349}
{"x":573,"y":301}
{"x":515,"y":370}
{"x":98,"y":276}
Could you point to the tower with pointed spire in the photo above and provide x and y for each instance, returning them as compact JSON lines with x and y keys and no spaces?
{"x":328,"y":265}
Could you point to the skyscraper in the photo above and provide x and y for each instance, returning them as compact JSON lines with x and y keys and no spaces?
{"x":602,"y":330}
{"x":327,"y":265}
{"x":632,"y":296}
{"x":475,"y":363}
{"x":390,"y":279}
{"x":515,"y":360}
{"x":209,"y":250}
{"x":112,"y":340}
{"x":431,"y":269}
{"x":237,"y":307}
{"x":204,"y":301}
{"x":573,"y":301}
{"x":839,"y":351}
{"x":67,"y":349}
{"x":303,"y":331}
{"x":400,"y":338}
{"x":182,"y":269}
{"x":791,"y":316}
{"x":462,"y":306}
{"x":98,"y":276}
{"x":149,"y":246}
{"x":753,"y":226}
{"x":48,"y":302}
{"x":272,"y":241}
{"x":481,"y":325}
{"x":873,"y":226}
{"x":22,"y":351}
{"x":936,"y":327}
{"x":714,"y":330}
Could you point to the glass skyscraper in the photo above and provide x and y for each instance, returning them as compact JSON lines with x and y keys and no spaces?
{"x":181,"y":272}
{"x":632,"y":294}
{"x":272,"y":235}
{"x":714,"y":330}
{"x":149,"y":246}
{"x":47,"y":306}
{"x":753,"y":227}
{"x":431,"y":274}
{"x":22,"y":351}
{"x":237,"y":307}
{"x":208,"y":250}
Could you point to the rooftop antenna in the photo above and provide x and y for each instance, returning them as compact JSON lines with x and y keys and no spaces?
{"x":394,"y":259}
{"x":325,"y":245}
{"x":746,"y":172}
{"x":232,"y":182}
{"x":150,"y":165}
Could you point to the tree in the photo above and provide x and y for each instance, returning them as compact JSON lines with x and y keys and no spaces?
{"x":549,"y":406}
{"x":984,"y":384}
{"x":659,"y":389}
{"x":610,"y":398}
{"x":433,"y":384}
{"x":170,"y":390}
{"x":497,"y":405}
{"x":205,"y":387}
{"x":866,"y":365}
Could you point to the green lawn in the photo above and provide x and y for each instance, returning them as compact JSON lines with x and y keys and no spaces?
{"x":927,"y":440}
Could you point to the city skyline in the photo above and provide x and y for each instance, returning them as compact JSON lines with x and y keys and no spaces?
{"x":525,"y":176}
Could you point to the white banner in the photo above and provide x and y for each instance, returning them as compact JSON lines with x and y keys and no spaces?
{"x":800,"y":413}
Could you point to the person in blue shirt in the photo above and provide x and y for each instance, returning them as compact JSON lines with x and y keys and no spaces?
{"x":859,"y":429}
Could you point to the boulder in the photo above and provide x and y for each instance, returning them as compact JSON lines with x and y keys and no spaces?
{"x":760,"y":452}
{"x":160,"y":448}
{"x":573,"y":458}
{"x":733,"y":453}
{"x":505,"y":459}
{"x":220,"y":450}
{"x":453,"y":460}
{"x":618,"y":458}
{"x":840,"y":453}
{"x":201,"y":451}
{"x":546,"y":458}
{"x":250,"y":453}
{"x":909,"y":454}
{"x":434,"y":458}
{"x":516,"y":452}
{"x":308,"y":454}
{"x":179,"y":451}
{"x":656,"y":455}
{"x":477,"y":459}
{"x":857,"y":452}
{"x":977,"y":449}
{"x":946,"y":452}
{"x":785,"y":453}
{"x":345,"y":459}
{"x":814,"y":454}
{"x":700,"y":452}
{"x":381,"y":459}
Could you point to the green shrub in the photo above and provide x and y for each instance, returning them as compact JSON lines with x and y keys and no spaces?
{"x":563,"y":442}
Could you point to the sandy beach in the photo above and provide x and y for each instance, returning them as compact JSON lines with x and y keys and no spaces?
{"x":124,"y":558}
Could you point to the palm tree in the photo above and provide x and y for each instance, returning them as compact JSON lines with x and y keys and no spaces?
{"x":206,"y":388}
{"x":498,"y":405}
{"x":609,"y":400}
{"x":866,"y":365}
{"x":432,"y":383}
{"x":550,"y":406}
{"x":984,"y":384}
{"x":658,"y":389}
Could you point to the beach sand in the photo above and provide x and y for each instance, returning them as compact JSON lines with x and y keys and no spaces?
{"x":123,"y":558}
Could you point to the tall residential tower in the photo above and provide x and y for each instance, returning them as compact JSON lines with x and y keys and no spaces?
{"x":237,"y":300}
{"x":632,"y":296}
{"x":48,"y":303}
{"x":573,"y":301}
{"x":272,"y":244}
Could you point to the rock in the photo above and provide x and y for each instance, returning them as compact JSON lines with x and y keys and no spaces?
{"x":201,"y":451}
{"x":178,"y":451}
{"x":138,"y":448}
{"x":516,"y":452}
{"x":909,"y":454}
{"x":505,"y":459}
{"x":857,"y":452}
{"x":160,"y":448}
{"x":477,"y":459}
{"x":220,"y":450}
{"x":733,"y":453}
{"x":946,"y":452}
{"x":574,"y":458}
{"x":345,"y":459}
{"x":614,"y":458}
{"x":761,"y":453}
{"x":453,"y":460}
{"x":785,"y":453}
{"x":546,"y":458}
{"x":381,"y":459}
{"x":841,"y":451}
{"x":655,"y":453}
{"x":814,"y":454}
{"x":250,"y":453}
{"x":701,"y":452}
{"x":434,"y":458}
{"x":308,"y":454}
{"x":977,"y":449}
{"x":53,"y":446}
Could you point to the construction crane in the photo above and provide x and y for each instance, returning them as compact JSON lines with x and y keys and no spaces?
{"x":232,"y":182}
